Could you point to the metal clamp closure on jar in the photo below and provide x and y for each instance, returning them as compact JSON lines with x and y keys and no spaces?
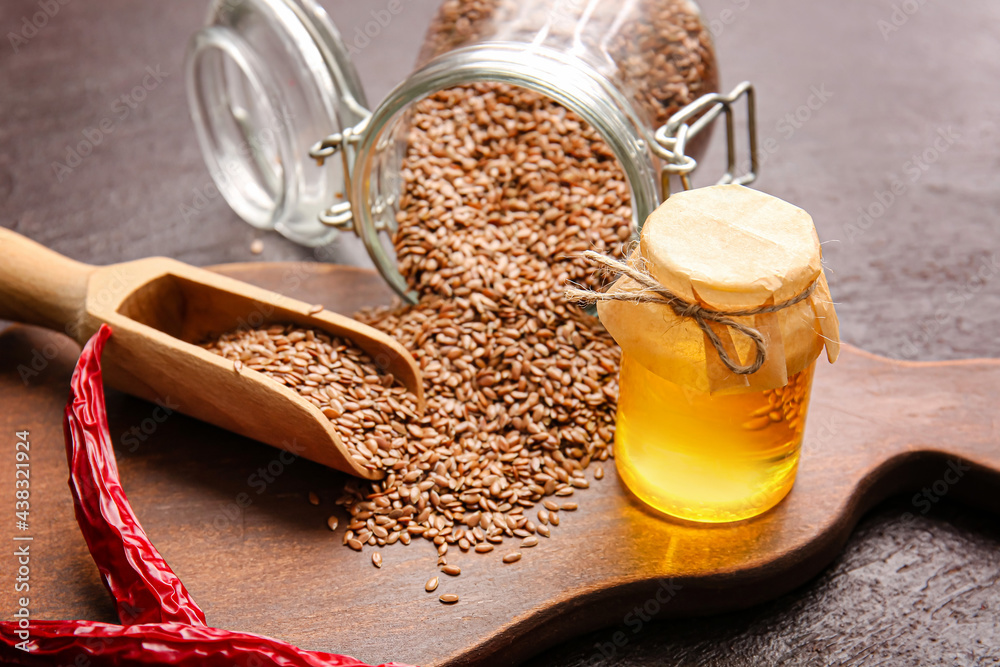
{"x":340,"y":215}
{"x":671,"y":138}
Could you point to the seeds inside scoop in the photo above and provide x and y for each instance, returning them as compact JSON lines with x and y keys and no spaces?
{"x":336,"y":376}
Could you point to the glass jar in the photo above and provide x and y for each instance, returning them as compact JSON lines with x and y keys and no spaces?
{"x":711,"y":412}
{"x":708,"y":458}
{"x":284,"y":125}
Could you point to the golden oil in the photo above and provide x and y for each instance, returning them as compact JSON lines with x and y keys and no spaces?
{"x":703,"y":457}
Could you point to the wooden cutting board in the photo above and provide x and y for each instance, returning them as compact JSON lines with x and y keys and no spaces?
{"x":232,"y":518}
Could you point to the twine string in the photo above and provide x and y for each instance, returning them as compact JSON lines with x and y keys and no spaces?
{"x":651,"y":291}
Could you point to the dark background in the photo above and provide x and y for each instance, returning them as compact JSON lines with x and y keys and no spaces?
{"x":917,"y":279}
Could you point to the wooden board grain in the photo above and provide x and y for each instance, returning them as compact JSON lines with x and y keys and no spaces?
{"x":877,"y":427}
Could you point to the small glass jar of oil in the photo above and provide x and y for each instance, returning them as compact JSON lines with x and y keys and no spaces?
{"x":695,"y":439}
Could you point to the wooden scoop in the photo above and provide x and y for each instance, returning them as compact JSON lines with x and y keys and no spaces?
{"x":158,"y":309}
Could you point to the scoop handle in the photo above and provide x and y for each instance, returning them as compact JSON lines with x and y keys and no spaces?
{"x":39,"y":286}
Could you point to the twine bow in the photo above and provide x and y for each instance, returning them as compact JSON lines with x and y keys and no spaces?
{"x":653,"y":292}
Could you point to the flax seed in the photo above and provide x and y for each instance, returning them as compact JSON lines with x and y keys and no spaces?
{"x":757,"y":423}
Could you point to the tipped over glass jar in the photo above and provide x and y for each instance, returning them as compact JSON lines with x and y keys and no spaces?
{"x":293,"y":146}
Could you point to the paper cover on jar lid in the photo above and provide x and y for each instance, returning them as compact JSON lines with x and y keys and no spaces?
{"x":727,"y":248}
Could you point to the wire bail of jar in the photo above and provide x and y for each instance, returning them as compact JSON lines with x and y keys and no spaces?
{"x":670,"y":139}
{"x":340,"y":214}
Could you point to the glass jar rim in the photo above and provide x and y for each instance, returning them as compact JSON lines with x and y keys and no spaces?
{"x":562,"y":77}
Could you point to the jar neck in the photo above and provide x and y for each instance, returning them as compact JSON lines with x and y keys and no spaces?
{"x":564,"y":78}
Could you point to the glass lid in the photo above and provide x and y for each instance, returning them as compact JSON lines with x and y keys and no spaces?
{"x":266,"y":80}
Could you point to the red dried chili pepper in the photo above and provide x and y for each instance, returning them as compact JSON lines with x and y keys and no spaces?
{"x":161,"y":623}
{"x":102,"y":644}
{"x":144,"y":587}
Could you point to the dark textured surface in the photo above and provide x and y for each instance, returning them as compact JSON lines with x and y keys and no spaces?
{"x":919,"y":592}
{"x":922,"y":591}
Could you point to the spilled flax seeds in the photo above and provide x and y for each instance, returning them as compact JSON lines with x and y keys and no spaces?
{"x":503,"y":189}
